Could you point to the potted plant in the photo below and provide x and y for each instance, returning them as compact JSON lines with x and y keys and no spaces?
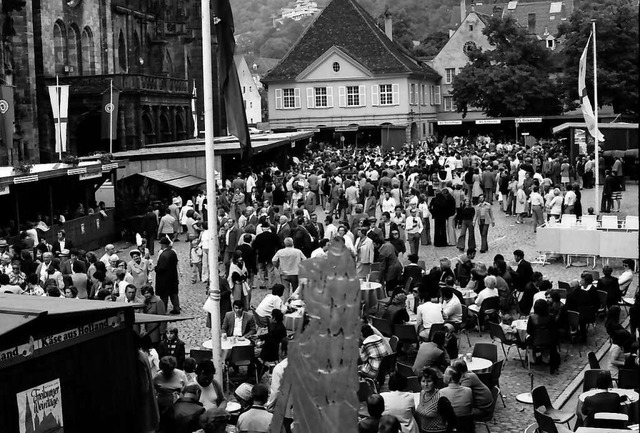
{"x":70,"y":159}
{"x":22,"y":167}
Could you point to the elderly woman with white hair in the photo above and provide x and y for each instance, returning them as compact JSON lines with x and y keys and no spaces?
{"x":554,"y":205}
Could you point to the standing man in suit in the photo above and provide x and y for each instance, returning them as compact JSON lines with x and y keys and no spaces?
{"x":238,"y":323}
{"x":62,"y":243}
{"x":283,"y":230}
{"x":489,"y":183}
{"x":167,"y":280}
{"x":315,"y":229}
{"x":524,"y":270}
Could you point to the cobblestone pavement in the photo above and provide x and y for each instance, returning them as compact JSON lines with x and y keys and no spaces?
{"x":503,"y":239}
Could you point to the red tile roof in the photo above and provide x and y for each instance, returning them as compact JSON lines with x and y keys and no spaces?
{"x":348,"y":26}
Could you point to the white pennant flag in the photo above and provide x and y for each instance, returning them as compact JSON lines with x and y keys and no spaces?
{"x":585,"y":104}
{"x":59,"y":96}
{"x":194,"y":112}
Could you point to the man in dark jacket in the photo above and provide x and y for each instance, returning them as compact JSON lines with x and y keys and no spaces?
{"x":167,"y":276}
{"x":610,"y":285}
{"x":184,"y":415}
{"x":524,"y":270}
{"x":265,"y":245}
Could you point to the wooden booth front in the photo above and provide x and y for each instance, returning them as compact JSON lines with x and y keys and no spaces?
{"x":67,"y":365}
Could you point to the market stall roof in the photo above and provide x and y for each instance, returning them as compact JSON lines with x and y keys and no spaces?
{"x":9,"y":176}
{"x":13,"y":307}
{"x":173,"y":178}
{"x":157,"y":318}
{"x":620,"y":125}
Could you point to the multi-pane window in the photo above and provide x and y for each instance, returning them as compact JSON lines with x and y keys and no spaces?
{"x":448,"y":103}
{"x":353,"y":96}
{"x":386,"y":94}
{"x":449,"y":74}
{"x":288,"y":98}
{"x":321,"y":97}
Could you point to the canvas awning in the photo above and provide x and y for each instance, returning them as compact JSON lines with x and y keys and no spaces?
{"x":157,"y":318}
{"x":173,"y":178}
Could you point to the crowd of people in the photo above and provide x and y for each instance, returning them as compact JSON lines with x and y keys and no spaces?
{"x":383,"y":207}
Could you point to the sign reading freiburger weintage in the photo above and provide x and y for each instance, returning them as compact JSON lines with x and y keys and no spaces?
{"x":48,"y":343}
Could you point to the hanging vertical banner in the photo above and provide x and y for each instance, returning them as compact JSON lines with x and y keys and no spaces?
{"x":59,"y":96}
{"x":194,"y":111}
{"x":40,"y":408}
{"x":585,"y":104}
{"x":110,"y":99}
{"x":6,"y":115}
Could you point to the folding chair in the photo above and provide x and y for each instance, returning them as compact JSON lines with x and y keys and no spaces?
{"x":590,"y":222}
{"x":404,"y":370}
{"x":590,"y":378}
{"x":541,"y":399}
{"x":464,"y":327}
{"x":387,"y":366}
{"x":602,"y":297}
{"x":486,"y":350}
{"x":382,"y":325}
{"x":406,"y":333}
{"x":413,"y":384}
{"x":542,"y":340}
{"x":568,"y":220}
{"x":546,"y":424}
{"x":200,"y":355}
{"x":632,"y":222}
{"x":497,"y":333}
{"x":241,"y":356}
{"x":496,"y":372}
{"x":561,"y":292}
{"x":609,"y":222}
{"x":593,"y":361}
{"x":393,"y":342}
{"x":435,"y":328}
{"x":573,"y":320}
{"x":564,"y":285}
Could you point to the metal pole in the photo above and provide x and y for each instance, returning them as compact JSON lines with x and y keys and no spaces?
{"x":595,"y":113}
{"x":58,"y":94}
{"x":111,"y":117}
{"x":214,"y":283}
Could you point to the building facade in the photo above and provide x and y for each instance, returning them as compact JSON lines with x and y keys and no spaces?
{"x":149,"y":49}
{"x":250,"y":91}
{"x":346,"y":79}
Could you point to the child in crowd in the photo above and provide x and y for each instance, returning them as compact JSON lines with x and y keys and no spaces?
{"x":196,"y":261}
{"x":451,"y":341}
{"x":510,"y":332}
{"x":189,"y":366}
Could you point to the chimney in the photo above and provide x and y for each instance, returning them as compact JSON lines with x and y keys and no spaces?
{"x":388,"y":25}
{"x":463,"y":10}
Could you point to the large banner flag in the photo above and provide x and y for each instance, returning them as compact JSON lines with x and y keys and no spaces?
{"x":59,"y":96}
{"x":6,"y":116}
{"x":110,"y":99}
{"x":230,"y":83}
{"x":585,"y":104}
{"x":194,"y":111}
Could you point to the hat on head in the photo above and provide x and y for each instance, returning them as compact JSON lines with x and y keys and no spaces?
{"x":64,"y":252}
{"x":4,"y":243}
{"x":189,"y":203}
{"x":244,"y":391}
{"x":135,"y":251}
{"x":165,"y":241}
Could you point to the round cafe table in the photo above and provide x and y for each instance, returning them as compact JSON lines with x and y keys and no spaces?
{"x":632,"y":398}
{"x":469,"y":296}
{"x":227,"y":345}
{"x":371,"y":292}
{"x":478,"y":364}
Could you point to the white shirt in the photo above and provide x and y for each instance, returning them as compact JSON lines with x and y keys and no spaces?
{"x":268,"y":304}
{"x":413,"y":224}
{"x":452,"y":309}
{"x":237,"y":326}
{"x":401,"y":405}
{"x":318,"y":252}
{"x":330,"y":231}
{"x":428,"y":314}
{"x":486,"y":293}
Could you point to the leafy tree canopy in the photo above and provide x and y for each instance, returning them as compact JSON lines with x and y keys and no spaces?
{"x":617,"y":53}
{"x":513,"y":79}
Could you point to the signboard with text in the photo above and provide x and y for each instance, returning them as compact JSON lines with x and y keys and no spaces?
{"x":40,"y":408}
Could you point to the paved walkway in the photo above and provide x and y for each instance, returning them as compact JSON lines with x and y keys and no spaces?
{"x":503,"y":239}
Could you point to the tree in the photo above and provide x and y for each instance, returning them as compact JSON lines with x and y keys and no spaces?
{"x":617,"y":53}
{"x":432,"y":44}
{"x":513,"y":79}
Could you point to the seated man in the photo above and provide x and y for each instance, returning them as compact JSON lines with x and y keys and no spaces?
{"x":461,"y":397}
{"x":238,"y":323}
{"x":482,"y":398}
{"x":371,"y":353}
{"x":603,"y":401}
{"x":428,"y":314}
{"x":451,"y":307}
{"x":412,"y":270}
{"x":432,"y":354}
{"x":257,"y":419}
{"x":400,"y":403}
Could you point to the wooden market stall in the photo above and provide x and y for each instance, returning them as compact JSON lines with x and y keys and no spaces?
{"x":67,"y":365}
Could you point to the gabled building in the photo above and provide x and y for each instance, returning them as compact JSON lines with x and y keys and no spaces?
{"x":348,"y":80}
{"x":250,"y":91}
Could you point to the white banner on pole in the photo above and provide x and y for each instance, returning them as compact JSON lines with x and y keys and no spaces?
{"x":59,"y":96}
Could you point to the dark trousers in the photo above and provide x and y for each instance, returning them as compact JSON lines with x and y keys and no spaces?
{"x":606,"y":204}
{"x":175,"y":302}
{"x":426,"y":232}
{"x":467,"y":225}
{"x":484,"y":232}
{"x":440,"y":234}
{"x":151,"y":240}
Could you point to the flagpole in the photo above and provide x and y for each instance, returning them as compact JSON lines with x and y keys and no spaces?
{"x":212,"y":214}
{"x":58,"y":94}
{"x":595,"y":113}
{"x":111,"y":117}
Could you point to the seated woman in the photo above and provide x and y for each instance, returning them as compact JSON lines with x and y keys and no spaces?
{"x":432,"y":410}
{"x":542,"y":327}
{"x":397,"y":313}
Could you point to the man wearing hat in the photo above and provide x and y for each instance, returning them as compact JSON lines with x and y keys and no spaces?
{"x":167,"y":280}
{"x":174,"y":211}
{"x":184,"y":415}
{"x":138,"y":269}
{"x":4,"y":246}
